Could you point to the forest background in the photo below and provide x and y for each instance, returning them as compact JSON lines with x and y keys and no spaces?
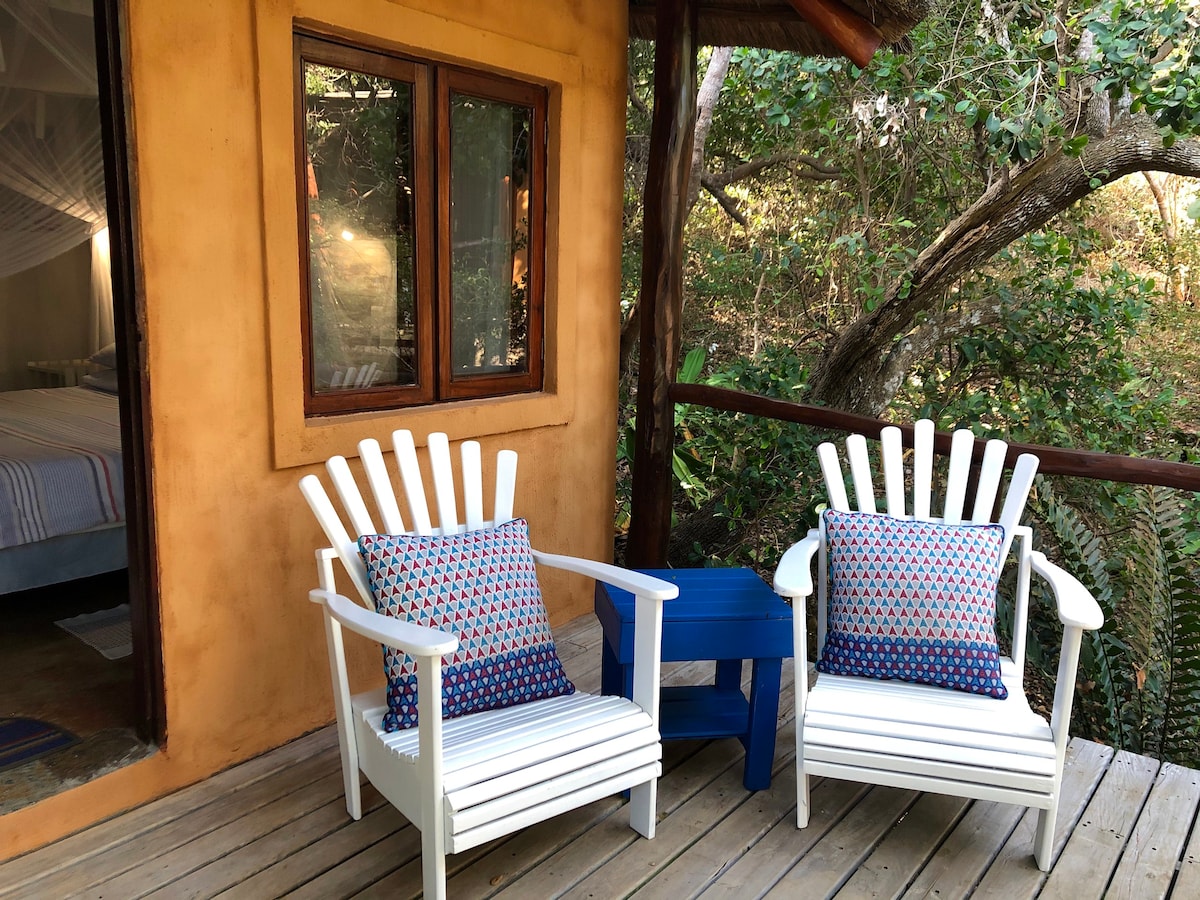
{"x":995,"y":228}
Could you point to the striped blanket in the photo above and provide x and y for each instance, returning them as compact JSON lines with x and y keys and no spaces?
{"x":60,"y":463}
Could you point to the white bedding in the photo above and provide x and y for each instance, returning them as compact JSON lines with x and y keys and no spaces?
{"x":60,"y":463}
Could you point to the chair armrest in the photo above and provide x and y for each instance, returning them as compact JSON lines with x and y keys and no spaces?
{"x":793,"y":575}
{"x":1076,"y":605}
{"x":635,"y":582}
{"x":415,"y":640}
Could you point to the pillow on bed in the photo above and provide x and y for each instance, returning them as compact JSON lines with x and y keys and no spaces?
{"x":480,"y":586}
{"x":105,"y":380}
{"x":105,"y":356}
{"x":914,"y":601}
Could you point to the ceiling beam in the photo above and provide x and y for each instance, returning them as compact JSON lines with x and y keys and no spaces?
{"x":857,"y":38}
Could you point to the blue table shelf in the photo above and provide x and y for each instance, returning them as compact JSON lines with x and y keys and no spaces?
{"x":726,"y":615}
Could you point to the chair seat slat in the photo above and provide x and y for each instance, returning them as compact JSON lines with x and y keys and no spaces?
{"x":975,"y":757}
{"x":933,"y":735}
{"x":536,"y":784}
{"x":941,"y":707}
{"x":942,"y":776}
{"x":473,"y":837}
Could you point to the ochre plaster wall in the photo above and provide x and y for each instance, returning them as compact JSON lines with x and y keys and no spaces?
{"x":210,"y":84}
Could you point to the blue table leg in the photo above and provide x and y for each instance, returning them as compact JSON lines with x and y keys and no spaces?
{"x":760,"y":738}
{"x":729,"y":675}
{"x":616,"y":680}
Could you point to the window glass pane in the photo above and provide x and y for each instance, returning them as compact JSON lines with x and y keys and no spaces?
{"x":489,"y":232}
{"x":359,"y":147}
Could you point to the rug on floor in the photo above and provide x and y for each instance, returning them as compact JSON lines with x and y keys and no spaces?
{"x":107,"y":631}
{"x":22,"y":740}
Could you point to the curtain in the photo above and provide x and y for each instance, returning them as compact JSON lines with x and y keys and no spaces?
{"x":51,"y":160}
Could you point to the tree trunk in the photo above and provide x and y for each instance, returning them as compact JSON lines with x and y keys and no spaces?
{"x":661,"y":298}
{"x":855,"y":373}
{"x":706,"y":103}
{"x":1170,"y":232}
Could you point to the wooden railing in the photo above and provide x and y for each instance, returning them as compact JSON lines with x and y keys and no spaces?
{"x":1054,"y":460}
{"x":651,"y":509}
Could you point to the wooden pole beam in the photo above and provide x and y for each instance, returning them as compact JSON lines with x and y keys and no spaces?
{"x":857,"y":38}
{"x":661,"y":298}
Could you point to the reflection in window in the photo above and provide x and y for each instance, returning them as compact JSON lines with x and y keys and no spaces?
{"x":358,"y":141}
{"x":422,"y":199}
{"x":489,"y":202}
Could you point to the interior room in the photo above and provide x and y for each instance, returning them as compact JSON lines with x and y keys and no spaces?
{"x":67,"y":707}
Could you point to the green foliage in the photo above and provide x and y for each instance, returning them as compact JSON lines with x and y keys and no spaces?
{"x":1150,"y":51}
{"x":1055,"y":341}
{"x":1105,"y":683}
{"x":1139,"y":684}
{"x":1053,"y":361}
{"x":756,"y":471}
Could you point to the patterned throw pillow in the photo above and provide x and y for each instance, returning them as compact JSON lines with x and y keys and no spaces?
{"x":480,"y":586}
{"x":914,"y":601}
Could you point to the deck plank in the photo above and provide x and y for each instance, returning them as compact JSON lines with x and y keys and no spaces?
{"x":1147,"y":866}
{"x":363,"y":868}
{"x":1013,"y":874}
{"x":564,"y":869}
{"x":963,"y":859}
{"x":1095,"y":846}
{"x":310,"y":862}
{"x":73,"y":850}
{"x":736,"y":834}
{"x":903,"y":853}
{"x":277,"y":826}
{"x":832,"y":860}
{"x":75,"y":878}
{"x":226,"y":870}
{"x":764,"y":864}
{"x":641,"y":861}
{"x":167,"y":867}
{"x":1187,"y":879}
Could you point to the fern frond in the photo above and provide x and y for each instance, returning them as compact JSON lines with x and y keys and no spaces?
{"x":1105,"y":687}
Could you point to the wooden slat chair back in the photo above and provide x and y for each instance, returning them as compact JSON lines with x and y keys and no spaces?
{"x":920,"y":736}
{"x":471,"y":779}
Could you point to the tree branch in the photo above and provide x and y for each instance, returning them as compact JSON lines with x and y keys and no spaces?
{"x":849,"y":375}
{"x":727,"y":203}
{"x":815,"y":169}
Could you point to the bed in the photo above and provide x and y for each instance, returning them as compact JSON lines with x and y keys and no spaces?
{"x":62,"y":494}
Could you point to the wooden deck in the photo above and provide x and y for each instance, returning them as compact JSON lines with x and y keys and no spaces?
{"x":276,"y":826}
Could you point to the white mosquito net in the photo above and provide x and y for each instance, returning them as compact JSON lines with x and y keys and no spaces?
{"x":51,"y":162}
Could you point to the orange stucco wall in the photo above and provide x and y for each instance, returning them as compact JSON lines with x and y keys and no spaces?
{"x":210,"y":91}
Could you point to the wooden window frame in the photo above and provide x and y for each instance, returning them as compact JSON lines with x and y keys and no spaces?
{"x":432,"y":83}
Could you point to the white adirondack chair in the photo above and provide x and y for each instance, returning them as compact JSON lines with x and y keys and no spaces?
{"x":918,"y":736}
{"x":468,"y":780}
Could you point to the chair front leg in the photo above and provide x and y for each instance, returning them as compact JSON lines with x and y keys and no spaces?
{"x":647,"y":667}
{"x":1043,"y":842}
{"x":347,"y":739}
{"x":800,"y":663}
{"x":429,"y":766}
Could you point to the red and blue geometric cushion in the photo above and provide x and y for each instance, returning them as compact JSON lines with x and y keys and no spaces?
{"x":481,"y":586}
{"x":913,"y":601}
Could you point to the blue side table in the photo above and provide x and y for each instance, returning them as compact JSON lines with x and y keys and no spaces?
{"x":726,"y":615}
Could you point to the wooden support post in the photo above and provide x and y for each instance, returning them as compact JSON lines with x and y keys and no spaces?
{"x":661,"y":299}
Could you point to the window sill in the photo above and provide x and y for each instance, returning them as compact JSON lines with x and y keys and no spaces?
{"x":303,"y":441}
